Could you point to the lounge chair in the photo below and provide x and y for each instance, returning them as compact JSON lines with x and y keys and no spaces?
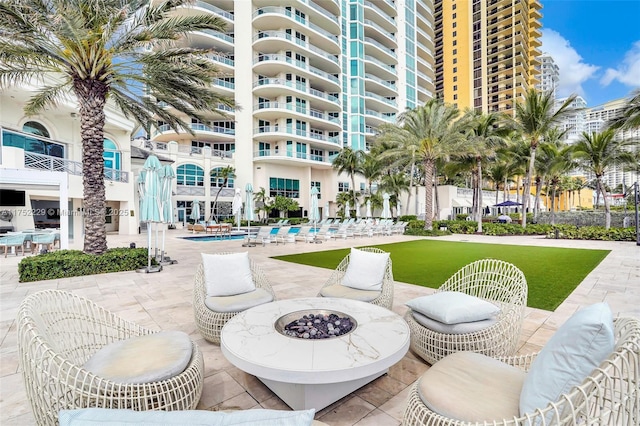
{"x":212,"y":312}
{"x":586,"y":374}
{"x":499,"y":283}
{"x":283,"y":236}
{"x":304,"y":234}
{"x":263,"y":236}
{"x":16,"y":240}
{"x":369,"y":278}
{"x":64,"y":342}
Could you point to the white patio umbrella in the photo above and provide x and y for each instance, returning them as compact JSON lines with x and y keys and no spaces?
{"x":314,"y":213}
{"x":166,"y":179}
{"x":386,"y":209}
{"x":248,"y":210}
{"x":369,"y":215}
{"x":195,"y":211}
{"x":149,"y":186}
{"x":236,"y":206}
{"x":398,"y":207}
{"x":325,"y":211}
{"x":358,"y":211}
{"x":347,"y":207}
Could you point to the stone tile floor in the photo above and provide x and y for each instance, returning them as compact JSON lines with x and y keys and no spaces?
{"x":163,"y":301}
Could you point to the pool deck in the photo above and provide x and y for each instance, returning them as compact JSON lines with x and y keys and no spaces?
{"x":162,"y":301}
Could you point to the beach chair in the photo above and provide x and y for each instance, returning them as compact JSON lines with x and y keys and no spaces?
{"x":283,"y":236}
{"x":265,"y":235}
{"x":304,"y":233}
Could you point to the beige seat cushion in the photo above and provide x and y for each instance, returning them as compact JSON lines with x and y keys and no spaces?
{"x":472,"y":387}
{"x":238,"y":302}
{"x":144,"y":359}
{"x":344,"y":292}
{"x":460,"y":328}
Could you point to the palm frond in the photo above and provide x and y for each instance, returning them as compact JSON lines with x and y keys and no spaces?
{"x":49,"y":95}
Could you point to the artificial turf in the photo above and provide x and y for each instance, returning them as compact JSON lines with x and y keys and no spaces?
{"x":552,"y":273}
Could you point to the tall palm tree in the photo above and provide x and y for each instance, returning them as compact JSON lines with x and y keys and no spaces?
{"x":262,"y":202}
{"x":630,"y":117}
{"x":533,"y":118}
{"x":434,"y":130}
{"x":597,"y":153}
{"x":557,"y":161}
{"x":349,"y":161}
{"x":100,"y":51}
{"x":484,"y":137}
{"x":222,"y":176}
{"x":371,"y":168}
{"x":548,"y":162}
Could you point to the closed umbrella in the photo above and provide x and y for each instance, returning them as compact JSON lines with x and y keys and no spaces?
{"x":357,"y":211}
{"x":347,"y":207}
{"x":314,"y":213}
{"x":195,"y":211}
{"x":150,"y":189}
{"x":325,"y":211}
{"x":398,"y":206}
{"x":166,"y":179}
{"x":236,"y":206}
{"x":369,"y":215}
{"x":386,"y":209}
{"x":248,"y":212}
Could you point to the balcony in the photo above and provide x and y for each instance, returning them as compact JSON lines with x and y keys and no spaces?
{"x":302,"y":159}
{"x":272,"y":87}
{"x":55,"y":164}
{"x":274,"y":110}
{"x":276,"y":133}
{"x":273,"y":63}
{"x":280,"y":40}
{"x":373,"y":12}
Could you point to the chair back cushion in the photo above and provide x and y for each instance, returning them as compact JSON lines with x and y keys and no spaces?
{"x":143,"y":359}
{"x":227,"y":274}
{"x":365,"y":270}
{"x":472,"y":387}
{"x":460,"y":328}
{"x":97,"y":416}
{"x":453,"y":307}
{"x":573,"y":352}
{"x":343,"y":292}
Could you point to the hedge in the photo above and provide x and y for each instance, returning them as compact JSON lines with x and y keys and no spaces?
{"x":74,"y":263}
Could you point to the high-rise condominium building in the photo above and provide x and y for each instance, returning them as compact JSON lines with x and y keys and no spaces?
{"x":549,"y":75}
{"x":310,"y":77}
{"x":573,"y":124}
{"x":486,"y":51}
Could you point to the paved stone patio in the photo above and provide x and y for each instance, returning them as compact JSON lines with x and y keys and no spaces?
{"x":162,"y":301}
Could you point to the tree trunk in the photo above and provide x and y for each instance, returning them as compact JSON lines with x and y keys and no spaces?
{"x":355,"y":202}
{"x":92,"y":99}
{"x":536,"y":207}
{"x":428,"y":196}
{"x":479,"y":201}
{"x":504,"y":191}
{"x":526,"y":190}
{"x":436,"y":198}
{"x":406,"y":209}
{"x":553,"y":203}
{"x":607,"y":208}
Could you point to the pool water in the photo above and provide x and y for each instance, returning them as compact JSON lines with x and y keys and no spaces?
{"x":207,"y":238}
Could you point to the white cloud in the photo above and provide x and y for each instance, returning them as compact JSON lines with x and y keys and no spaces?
{"x":573,"y":70}
{"x":628,"y":72}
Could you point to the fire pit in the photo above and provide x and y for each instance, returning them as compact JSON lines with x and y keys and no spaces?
{"x":315,"y":324}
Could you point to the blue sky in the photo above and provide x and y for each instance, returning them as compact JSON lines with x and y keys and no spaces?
{"x":596,"y":44}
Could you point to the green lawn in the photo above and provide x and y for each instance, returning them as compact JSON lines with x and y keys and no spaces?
{"x":552,"y":273}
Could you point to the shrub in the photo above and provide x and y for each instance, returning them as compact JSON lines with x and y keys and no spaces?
{"x":407,"y":218}
{"x":462,"y":216}
{"x":73,"y":263}
{"x":572,"y":232}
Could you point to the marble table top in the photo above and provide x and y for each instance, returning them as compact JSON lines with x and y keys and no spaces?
{"x":250,"y":342}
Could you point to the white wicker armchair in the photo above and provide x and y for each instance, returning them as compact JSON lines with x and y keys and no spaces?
{"x":210,"y":323}
{"x":494,"y":280}
{"x":385,"y":299}
{"x":610,"y":395}
{"x":59,"y":331}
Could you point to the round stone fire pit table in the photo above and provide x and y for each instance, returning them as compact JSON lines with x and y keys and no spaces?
{"x":308,"y":373}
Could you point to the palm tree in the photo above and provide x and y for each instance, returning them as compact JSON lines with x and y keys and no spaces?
{"x":597,"y":153}
{"x":533,"y":118}
{"x":483,"y":138}
{"x":262,"y":202}
{"x":221,"y":176}
{"x":433,"y":129}
{"x":100,"y":51}
{"x":557,"y":162}
{"x":630,"y":117}
{"x":547,"y":162}
{"x":371,"y":168}
{"x":349,"y":161}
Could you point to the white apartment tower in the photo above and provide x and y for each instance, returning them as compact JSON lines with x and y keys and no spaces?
{"x":549,"y":75}
{"x":574,"y":122}
{"x":310,"y":77}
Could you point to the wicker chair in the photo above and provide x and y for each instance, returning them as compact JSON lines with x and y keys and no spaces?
{"x":59,"y":331}
{"x":210,"y":323}
{"x":385,"y":299}
{"x":494,"y":280}
{"x":608,"y":396}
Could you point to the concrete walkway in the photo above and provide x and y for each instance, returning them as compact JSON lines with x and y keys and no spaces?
{"x":163,"y":301}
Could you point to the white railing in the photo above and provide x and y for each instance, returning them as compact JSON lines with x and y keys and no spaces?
{"x":55,"y":164}
{"x":189,"y":190}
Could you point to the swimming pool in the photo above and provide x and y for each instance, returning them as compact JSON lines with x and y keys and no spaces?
{"x":207,"y":238}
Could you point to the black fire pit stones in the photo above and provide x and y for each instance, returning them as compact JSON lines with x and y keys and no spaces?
{"x":315,"y":324}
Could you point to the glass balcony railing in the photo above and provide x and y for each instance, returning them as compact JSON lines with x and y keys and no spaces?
{"x":298,"y":86}
{"x":297,"y":132}
{"x":215,"y":10}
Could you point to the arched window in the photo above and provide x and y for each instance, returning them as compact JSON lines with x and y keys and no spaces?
{"x":217,"y":178}
{"x":190,"y":175}
{"x":35,"y":128}
{"x":112,"y":157}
